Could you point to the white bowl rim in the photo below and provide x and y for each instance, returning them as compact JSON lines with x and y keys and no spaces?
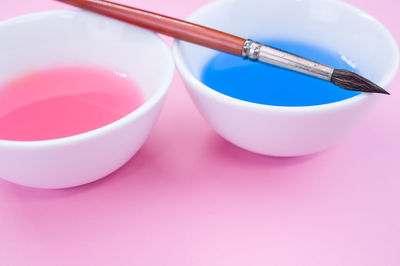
{"x":144,"y":108}
{"x":198,"y":85}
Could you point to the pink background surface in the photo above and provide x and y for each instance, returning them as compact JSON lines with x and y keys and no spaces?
{"x":190,"y":198}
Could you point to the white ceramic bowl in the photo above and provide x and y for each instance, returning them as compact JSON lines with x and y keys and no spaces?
{"x":289,"y":131}
{"x":43,"y":39}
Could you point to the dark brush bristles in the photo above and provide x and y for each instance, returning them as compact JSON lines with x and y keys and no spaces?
{"x":351,"y":81}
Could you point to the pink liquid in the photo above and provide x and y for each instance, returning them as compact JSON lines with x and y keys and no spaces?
{"x":64,"y":101}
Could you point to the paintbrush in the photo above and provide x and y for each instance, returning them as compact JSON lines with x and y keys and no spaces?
{"x":228,"y":43}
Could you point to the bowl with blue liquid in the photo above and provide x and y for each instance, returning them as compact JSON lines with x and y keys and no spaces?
{"x":277,"y":112}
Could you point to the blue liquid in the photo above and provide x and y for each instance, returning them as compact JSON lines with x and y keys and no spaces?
{"x":266,"y":84}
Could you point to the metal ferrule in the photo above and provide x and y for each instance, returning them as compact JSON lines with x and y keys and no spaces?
{"x":267,"y":54}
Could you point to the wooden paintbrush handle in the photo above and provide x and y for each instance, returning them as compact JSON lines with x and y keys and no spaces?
{"x":173,"y":27}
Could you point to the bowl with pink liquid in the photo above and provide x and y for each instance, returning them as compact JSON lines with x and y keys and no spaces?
{"x":79,"y":94}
